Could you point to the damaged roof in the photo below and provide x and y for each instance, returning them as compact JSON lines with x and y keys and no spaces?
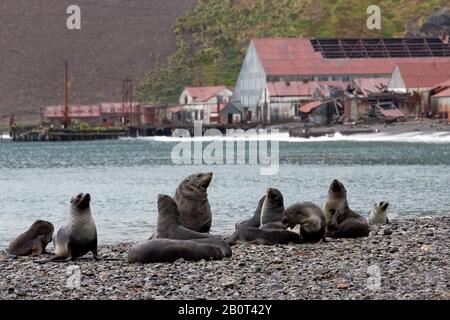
{"x":296,"y":56}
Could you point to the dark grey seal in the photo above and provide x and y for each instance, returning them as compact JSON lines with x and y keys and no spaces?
{"x":346,"y":224}
{"x":192,"y":200}
{"x":167,"y":250}
{"x":169,"y":222}
{"x":264,"y":236}
{"x":272,"y":210}
{"x":255,"y":221}
{"x":342,"y":222}
{"x":311,"y":219}
{"x":33,"y":241}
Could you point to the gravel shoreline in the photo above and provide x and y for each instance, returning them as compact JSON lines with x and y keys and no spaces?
{"x":412,"y":256}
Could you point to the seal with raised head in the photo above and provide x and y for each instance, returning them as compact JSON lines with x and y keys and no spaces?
{"x":337,"y":199}
{"x":346,"y":224}
{"x":255,"y":221}
{"x":379,"y":213}
{"x":310,"y":218}
{"x":272,"y":210}
{"x":192,"y":201}
{"x":168,"y":225}
{"x":33,"y":241}
{"x":167,"y":250}
{"x":79,"y":236}
{"x":264,"y":236}
{"x":342,"y":222}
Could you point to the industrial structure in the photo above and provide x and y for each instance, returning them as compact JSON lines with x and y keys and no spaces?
{"x":271,"y":60}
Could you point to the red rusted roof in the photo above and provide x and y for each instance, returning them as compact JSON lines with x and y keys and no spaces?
{"x":308,"y":107}
{"x":371,"y":85}
{"x":442,"y":94}
{"x":424,"y":75}
{"x":443,"y":85}
{"x":203,"y":94}
{"x":300,"y":88}
{"x":296,"y":56}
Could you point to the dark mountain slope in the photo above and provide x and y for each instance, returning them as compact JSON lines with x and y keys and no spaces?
{"x":118,"y":39}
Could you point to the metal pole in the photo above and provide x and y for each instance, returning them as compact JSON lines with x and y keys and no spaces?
{"x":66,"y":95}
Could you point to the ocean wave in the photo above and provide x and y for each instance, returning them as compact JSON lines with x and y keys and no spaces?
{"x":5,"y":136}
{"x":410,"y":137}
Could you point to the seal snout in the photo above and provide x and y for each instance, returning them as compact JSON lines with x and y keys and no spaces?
{"x":207,"y":178}
{"x":336,"y":186}
{"x":84,"y":201}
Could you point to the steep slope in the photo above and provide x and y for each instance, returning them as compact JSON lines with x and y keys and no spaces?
{"x":118,"y":39}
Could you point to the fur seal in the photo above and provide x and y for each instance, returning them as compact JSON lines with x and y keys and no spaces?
{"x":310,"y":218}
{"x":192,"y":201}
{"x":379,"y":213}
{"x":167,"y":250}
{"x":168,"y":224}
{"x":337,"y":199}
{"x":255,"y":221}
{"x":264,"y":236}
{"x":342,"y":222}
{"x":347,"y":224}
{"x":272,"y":210}
{"x":79,"y":236}
{"x":33,"y":241}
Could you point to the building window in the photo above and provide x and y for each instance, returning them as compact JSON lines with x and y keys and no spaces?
{"x":201,"y":115}
{"x":186,"y":100}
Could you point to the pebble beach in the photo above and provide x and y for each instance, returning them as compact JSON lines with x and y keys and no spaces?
{"x":407,"y":259}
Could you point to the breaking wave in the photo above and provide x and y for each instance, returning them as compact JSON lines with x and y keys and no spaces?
{"x":410,"y":137}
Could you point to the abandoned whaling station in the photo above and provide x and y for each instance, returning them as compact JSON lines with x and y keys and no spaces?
{"x":312,"y":82}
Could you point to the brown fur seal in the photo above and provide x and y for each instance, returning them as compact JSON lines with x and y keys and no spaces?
{"x":80,"y":235}
{"x":192,"y":201}
{"x":255,"y":221}
{"x":33,"y":241}
{"x":379,"y":213}
{"x":264,"y":236}
{"x":346,"y":224}
{"x":169,"y":222}
{"x":310,"y":218}
{"x":342,"y":222}
{"x":167,"y":250}
{"x":272,"y":210}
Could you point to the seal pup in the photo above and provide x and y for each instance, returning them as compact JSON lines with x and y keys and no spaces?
{"x":169,"y":225}
{"x":255,"y":221}
{"x":79,"y":236}
{"x":192,"y":201}
{"x":379,"y":213}
{"x":33,"y":241}
{"x":168,"y":250}
{"x":310,"y":218}
{"x":264,"y":236}
{"x":347,"y":224}
{"x":272,"y":210}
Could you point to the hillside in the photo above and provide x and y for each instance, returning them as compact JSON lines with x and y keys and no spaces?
{"x":213,"y":36}
{"x":118,"y":39}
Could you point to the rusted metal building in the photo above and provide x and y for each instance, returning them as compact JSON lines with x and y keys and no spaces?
{"x":301,"y":59}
